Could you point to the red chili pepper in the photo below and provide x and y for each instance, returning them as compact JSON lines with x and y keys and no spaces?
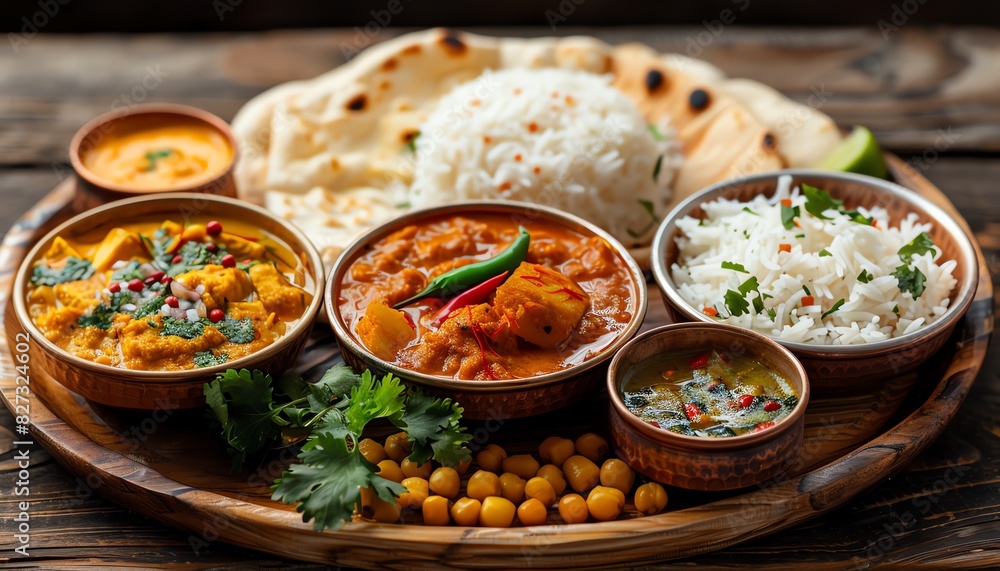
{"x":692,"y":411}
{"x":710,"y":311}
{"x":745,"y":401}
{"x":409,"y":320}
{"x":784,"y":247}
{"x":471,"y":296}
{"x":699,"y":361}
{"x":771,"y":406}
{"x":764,"y":426}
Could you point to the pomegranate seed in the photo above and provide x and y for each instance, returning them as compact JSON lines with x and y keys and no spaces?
{"x":212,"y":247}
{"x":247,"y":262}
{"x":172,"y":301}
{"x":177,"y":259}
{"x":214,"y":228}
{"x":764,"y":426}
{"x":745,"y":401}
{"x":165,"y":280}
{"x":157,"y":275}
{"x":692,"y":411}
{"x":115,"y":287}
{"x":149,"y":281}
{"x":135,"y":285}
{"x":699,"y":361}
{"x":771,"y":406}
{"x":228,"y":261}
{"x":216,"y":315}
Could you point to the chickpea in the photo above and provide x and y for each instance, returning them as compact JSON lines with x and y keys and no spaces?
{"x":554,"y":476}
{"x":491,"y":458}
{"x":573,"y":508}
{"x":483,"y":484}
{"x":524,"y":465}
{"x":398,"y":446}
{"x":617,"y":474}
{"x":650,"y":498}
{"x":581,"y":473}
{"x":435,"y":510}
{"x":411,"y":469}
{"x":512,"y":487}
{"x":390,"y":471}
{"x":556,"y":450}
{"x":372,"y":451}
{"x":445,"y":482}
{"x":532,"y":512}
{"x":466,"y":511}
{"x":415,"y":494}
{"x":605,"y":503}
{"x":496,"y":512}
{"x":376,"y":509}
{"x":592,"y":447}
{"x":541,"y":490}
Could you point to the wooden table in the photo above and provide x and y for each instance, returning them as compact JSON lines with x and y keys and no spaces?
{"x":931,"y":95}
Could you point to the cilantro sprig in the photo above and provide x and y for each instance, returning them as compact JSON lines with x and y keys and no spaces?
{"x":72,"y":270}
{"x":254,"y":412}
{"x":911,"y":279}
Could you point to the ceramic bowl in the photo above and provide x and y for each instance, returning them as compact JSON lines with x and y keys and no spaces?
{"x":155,"y":389}
{"x":497,"y":399}
{"x":694,"y":462}
{"x":93,"y":191}
{"x":838,"y":368}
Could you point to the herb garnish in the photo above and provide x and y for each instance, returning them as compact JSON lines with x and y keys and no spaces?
{"x":912,"y":280}
{"x":72,"y":270}
{"x":788,"y":216}
{"x":734,"y":266}
{"x":656,"y":133}
{"x":153,"y":156}
{"x":653,"y":218}
{"x":836,"y":306}
{"x":657,"y":167}
{"x":865,"y":277}
{"x":102,"y":314}
{"x":209,"y":359}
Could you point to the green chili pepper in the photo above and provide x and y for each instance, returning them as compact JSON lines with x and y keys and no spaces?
{"x":460,"y":279}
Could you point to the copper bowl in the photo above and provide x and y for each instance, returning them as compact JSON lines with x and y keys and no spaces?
{"x":838,"y":368}
{"x":93,"y":191}
{"x":482,"y":399}
{"x":148,"y":390}
{"x":693,"y":462}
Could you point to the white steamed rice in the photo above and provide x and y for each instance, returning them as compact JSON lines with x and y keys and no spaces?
{"x":731,"y":234}
{"x":554,"y":137}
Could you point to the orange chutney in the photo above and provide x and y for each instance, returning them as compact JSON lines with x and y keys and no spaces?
{"x":570,"y":283}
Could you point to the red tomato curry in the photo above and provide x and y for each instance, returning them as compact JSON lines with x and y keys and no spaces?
{"x":565,"y":303}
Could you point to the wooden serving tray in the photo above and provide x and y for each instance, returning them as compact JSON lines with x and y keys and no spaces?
{"x":166,"y":464}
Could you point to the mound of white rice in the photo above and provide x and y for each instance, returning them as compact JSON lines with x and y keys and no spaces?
{"x":548,"y":136}
{"x":827,"y":258}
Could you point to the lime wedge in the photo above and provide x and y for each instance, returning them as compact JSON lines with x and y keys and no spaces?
{"x":858,"y":153}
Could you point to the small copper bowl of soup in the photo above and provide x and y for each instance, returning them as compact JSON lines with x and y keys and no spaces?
{"x":510,"y":308}
{"x":152,"y":148}
{"x":707,"y":406}
{"x":140,"y":302}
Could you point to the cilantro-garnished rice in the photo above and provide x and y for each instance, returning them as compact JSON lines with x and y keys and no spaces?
{"x":759,"y":264}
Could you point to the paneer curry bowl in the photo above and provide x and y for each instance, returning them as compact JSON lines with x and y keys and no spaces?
{"x":169,"y":287}
{"x":509,"y":307}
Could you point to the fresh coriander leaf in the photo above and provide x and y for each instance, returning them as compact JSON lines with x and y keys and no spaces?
{"x":656,"y":169}
{"x":857,"y":217}
{"x":734,"y":266}
{"x":102,"y":314}
{"x":750,"y":285}
{"x":736,"y":303}
{"x":292,"y":386}
{"x":800,"y":235}
{"x":911,"y":280}
{"x":402,"y":205}
{"x":411,"y":144}
{"x":151,"y":307}
{"x":758,"y":304}
{"x":747,"y":209}
{"x":824,"y":253}
{"x":153,"y":156}
{"x":372,"y":399}
{"x":917,"y":247}
{"x":895,"y":309}
{"x":772,"y":314}
{"x":655,"y":132}
{"x":236,"y":330}
{"x":819,"y":201}
{"x":745,"y":234}
{"x":432,"y":426}
{"x":242,"y":402}
{"x":72,"y":270}
{"x":326,"y":484}
{"x":788,"y":216}
{"x":648,"y":207}
{"x":835,"y":307}
{"x":805,"y":289}
{"x":865,"y":277}
{"x":209,"y":359}
{"x":184,"y":328}
{"x":336,"y":382}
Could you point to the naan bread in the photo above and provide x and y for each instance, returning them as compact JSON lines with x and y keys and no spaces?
{"x":331,"y":153}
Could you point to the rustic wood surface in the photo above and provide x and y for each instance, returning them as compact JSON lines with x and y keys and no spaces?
{"x":942,"y":512}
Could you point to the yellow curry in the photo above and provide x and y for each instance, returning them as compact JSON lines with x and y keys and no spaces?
{"x":161,"y":296}
{"x":152,"y":154}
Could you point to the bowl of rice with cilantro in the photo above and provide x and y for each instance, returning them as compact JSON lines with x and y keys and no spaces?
{"x":861,"y":278}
